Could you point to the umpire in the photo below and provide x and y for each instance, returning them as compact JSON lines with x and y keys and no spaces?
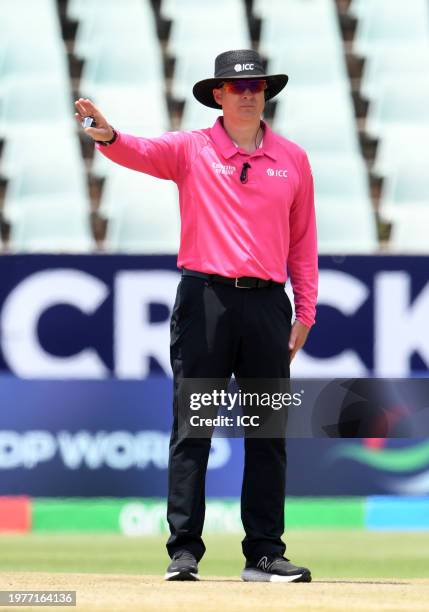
{"x":247,"y":224}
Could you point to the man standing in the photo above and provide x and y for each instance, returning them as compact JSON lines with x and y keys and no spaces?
{"x":247,"y":223}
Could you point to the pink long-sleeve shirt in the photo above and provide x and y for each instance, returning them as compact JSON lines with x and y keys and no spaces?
{"x":265,"y":227}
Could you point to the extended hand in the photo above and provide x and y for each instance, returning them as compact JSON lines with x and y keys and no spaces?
{"x":86,"y":108}
{"x":297,"y":338}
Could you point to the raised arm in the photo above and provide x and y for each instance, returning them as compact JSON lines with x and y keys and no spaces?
{"x":165,"y":157}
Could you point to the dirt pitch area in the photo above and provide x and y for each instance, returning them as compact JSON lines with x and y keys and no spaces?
{"x":135,"y":593}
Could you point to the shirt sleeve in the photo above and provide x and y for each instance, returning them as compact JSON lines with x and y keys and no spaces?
{"x":302,"y":258}
{"x":164,"y":157}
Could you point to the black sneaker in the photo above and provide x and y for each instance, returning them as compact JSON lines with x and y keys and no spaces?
{"x":274,"y":569}
{"x":183,"y":566}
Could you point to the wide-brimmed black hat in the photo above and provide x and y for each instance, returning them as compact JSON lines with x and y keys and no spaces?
{"x":240,"y":64}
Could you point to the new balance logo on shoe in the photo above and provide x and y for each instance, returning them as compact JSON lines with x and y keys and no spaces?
{"x":264,"y":564}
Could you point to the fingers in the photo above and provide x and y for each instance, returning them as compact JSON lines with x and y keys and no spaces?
{"x":80,"y":107}
{"x":86,"y":108}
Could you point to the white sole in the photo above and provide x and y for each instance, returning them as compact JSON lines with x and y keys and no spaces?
{"x":276,"y":578}
{"x":181,"y":576}
{"x":251,"y":575}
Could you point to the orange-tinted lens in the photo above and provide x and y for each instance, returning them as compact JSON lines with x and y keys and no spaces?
{"x":241,"y":85}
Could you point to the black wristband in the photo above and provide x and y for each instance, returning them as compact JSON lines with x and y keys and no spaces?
{"x":105,"y":143}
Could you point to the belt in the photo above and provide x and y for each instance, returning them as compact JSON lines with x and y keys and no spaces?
{"x":242,"y":282}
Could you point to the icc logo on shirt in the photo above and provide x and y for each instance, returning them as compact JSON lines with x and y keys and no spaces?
{"x":280,"y":172}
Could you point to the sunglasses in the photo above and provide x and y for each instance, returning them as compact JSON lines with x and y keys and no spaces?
{"x":241,"y":85}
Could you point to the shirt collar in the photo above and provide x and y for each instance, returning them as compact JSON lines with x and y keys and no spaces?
{"x":229,"y":149}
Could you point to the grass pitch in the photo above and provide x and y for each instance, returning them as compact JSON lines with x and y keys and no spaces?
{"x":352,"y":570}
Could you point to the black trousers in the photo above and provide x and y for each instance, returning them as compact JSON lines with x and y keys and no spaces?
{"x":217,"y":330}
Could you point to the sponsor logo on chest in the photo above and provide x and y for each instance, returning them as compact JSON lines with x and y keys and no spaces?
{"x":223,"y":168}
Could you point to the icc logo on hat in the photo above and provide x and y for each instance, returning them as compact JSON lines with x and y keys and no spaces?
{"x":240,"y":67}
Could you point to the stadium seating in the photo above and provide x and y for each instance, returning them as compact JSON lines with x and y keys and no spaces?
{"x":119,"y":24}
{"x":407,"y":186}
{"x":47,"y":202}
{"x":311,"y":67}
{"x":400,"y":102}
{"x":384,"y":21}
{"x":393,"y":61}
{"x":343,"y":202}
{"x":57,"y":173}
{"x":334,"y":223}
{"x":142,"y":213}
{"x":18,"y":19}
{"x":196,"y":116}
{"x":22,"y":60}
{"x":410,"y":230}
{"x":25,"y":147}
{"x":76,"y":9}
{"x":176,"y":9}
{"x":320,"y":119}
{"x":334,"y":228}
{"x":293,"y":25}
{"x":128,"y":64}
{"x":341,"y":176}
{"x":128,"y":106}
{"x":52,"y":224}
{"x":33,"y":101}
{"x":403,"y":142}
{"x":204,"y":31}
{"x":187,"y":71}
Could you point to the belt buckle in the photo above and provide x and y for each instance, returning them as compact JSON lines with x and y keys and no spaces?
{"x":240,"y":286}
